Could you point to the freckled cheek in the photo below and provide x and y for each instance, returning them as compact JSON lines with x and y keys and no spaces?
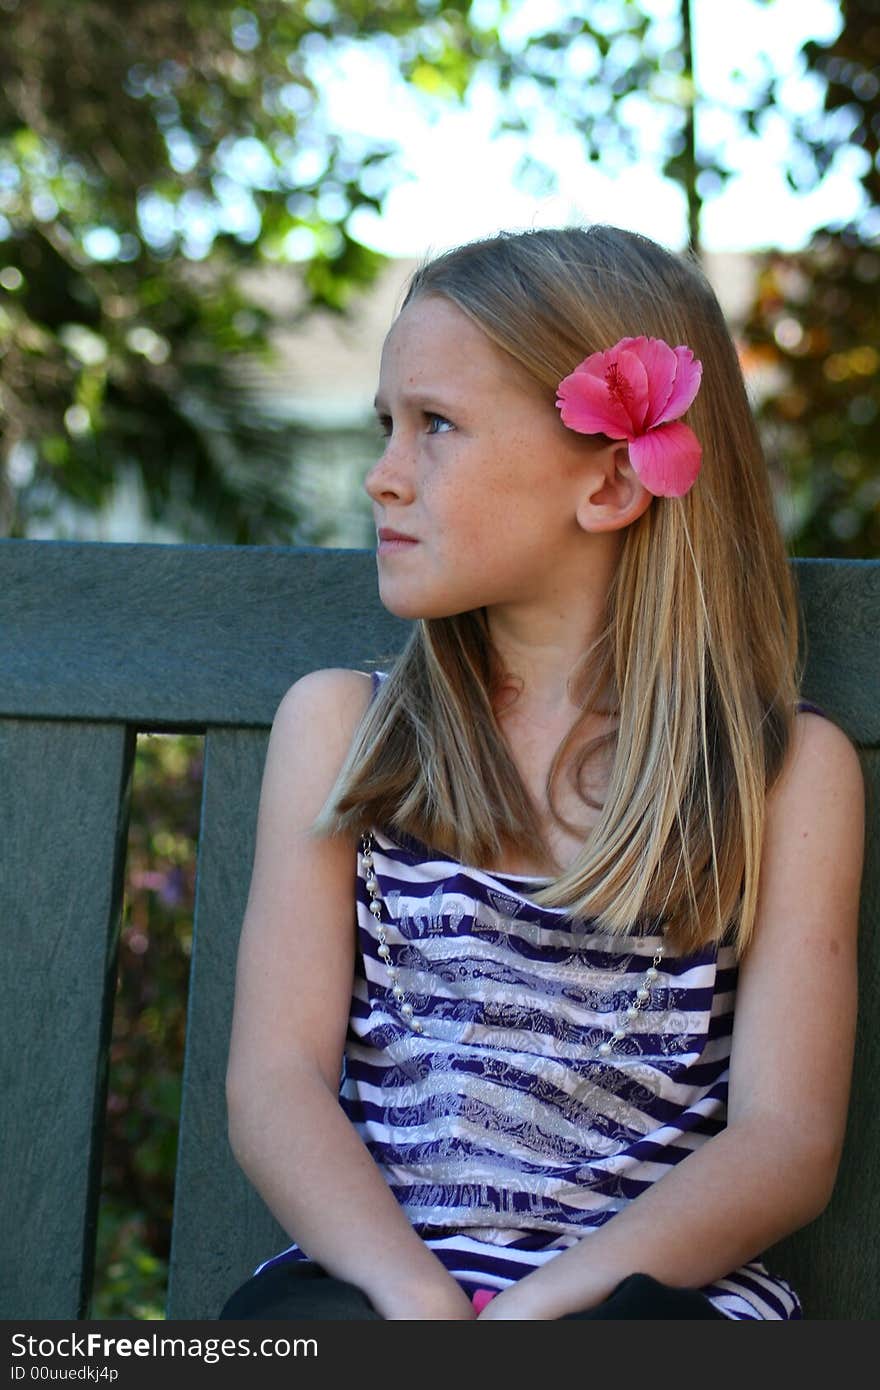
{"x":482,"y":522}
{"x":459,"y":535}
{"x":484,"y":497}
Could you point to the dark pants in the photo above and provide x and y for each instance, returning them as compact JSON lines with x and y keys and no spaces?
{"x":301,"y":1290}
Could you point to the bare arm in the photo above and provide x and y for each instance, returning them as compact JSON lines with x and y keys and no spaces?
{"x":292,"y":1000}
{"x":773,"y":1168}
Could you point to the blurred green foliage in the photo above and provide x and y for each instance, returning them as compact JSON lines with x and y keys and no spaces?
{"x":148,"y":152}
{"x":149,"y":1024}
{"x":815,"y":331}
{"x":814,"y":328}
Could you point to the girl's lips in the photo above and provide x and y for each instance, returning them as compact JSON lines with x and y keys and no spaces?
{"x":394,"y":543}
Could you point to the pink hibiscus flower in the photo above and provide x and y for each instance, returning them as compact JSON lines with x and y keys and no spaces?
{"x":636,"y":391}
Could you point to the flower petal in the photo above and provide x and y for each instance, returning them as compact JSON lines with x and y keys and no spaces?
{"x":667,"y":459}
{"x":628,"y":381}
{"x":660,"y":364}
{"x":586,"y":405}
{"x":687,"y":383}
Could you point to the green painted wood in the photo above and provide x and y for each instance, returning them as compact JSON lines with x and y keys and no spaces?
{"x":179,"y":637}
{"x":64,"y":794}
{"x":834,"y":1263}
{"x":221,"y":1229}
{"x":186,"y":636}
{"x":840,"y":600}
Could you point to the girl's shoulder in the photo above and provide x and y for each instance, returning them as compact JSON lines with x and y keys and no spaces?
{"x":331,"y":701}
{"x":819,"y":737}
{"x":822,"y":736}
{"x":334,"y":682}
{"x":822,"y":765}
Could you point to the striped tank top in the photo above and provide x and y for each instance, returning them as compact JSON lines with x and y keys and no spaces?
{"x":504,"y":1128}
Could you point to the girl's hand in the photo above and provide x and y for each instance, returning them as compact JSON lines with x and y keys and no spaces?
{"x":449,"y":1302}
{"x":510,"y":1304}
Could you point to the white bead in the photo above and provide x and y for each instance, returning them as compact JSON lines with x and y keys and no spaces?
{"x":392,"y":973}
{"x":643,"y":994}
{"x":372,"y":884}
{"x":618,"y":1034}
{"x":650,"y":973}
{"x":376,"y":909}
{"x":398,"y":994}
{"x":632,"y":1011}
{"x":604,"y":1048}
{"x":385,"y":952}
{"x":406,"y":1010}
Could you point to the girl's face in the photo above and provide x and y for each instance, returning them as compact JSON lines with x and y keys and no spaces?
{"x":478,"y":469}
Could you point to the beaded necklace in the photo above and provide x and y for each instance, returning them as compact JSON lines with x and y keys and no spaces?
{"x":641,"y":1000}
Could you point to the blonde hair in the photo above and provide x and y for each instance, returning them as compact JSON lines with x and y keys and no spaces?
{"x":697,"y":658}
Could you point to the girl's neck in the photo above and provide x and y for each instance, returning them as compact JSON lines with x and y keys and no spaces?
{"x":532,"y":750}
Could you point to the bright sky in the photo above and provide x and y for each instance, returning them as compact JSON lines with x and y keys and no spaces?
{"x":463,"y":185}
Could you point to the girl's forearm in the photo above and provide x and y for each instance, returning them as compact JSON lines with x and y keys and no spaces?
{"x":302,"y":1154}
{"x":719,"y":1208}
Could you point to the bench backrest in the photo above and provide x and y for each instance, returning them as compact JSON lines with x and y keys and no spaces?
{"x":102,"y":641}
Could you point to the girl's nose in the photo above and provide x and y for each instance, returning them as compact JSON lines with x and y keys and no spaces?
{"x":389,"y":476}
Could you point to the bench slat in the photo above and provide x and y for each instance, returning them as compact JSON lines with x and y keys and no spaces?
{"x":179,"y":637}
{"x":840,"y":600}
{"x":186,"y":636}
{"x":64,"y":797}
{"x":221,"y":1227}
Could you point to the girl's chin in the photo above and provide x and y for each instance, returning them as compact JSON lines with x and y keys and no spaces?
{"x":411,"y":608}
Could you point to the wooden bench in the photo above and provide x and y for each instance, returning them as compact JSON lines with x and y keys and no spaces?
{"x":102,"y":641}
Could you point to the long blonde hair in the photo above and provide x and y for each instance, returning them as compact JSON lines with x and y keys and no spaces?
{"x":697,"y":659}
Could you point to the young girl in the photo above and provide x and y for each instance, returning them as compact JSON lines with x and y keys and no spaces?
{"x":546,"y":986}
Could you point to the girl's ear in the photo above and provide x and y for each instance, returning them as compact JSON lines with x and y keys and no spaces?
{"x":612,"y":495}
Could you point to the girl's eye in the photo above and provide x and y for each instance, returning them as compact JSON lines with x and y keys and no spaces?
{"x":429,"y":415}
{"x":384,"y":424}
